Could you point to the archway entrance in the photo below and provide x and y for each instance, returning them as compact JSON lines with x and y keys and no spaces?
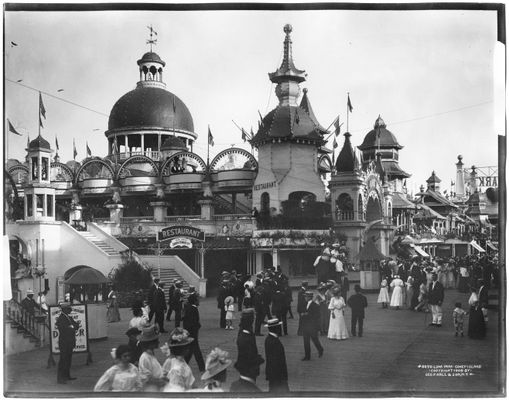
{"x":373,"y":209}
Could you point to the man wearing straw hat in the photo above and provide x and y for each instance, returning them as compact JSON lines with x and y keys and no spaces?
{"x":276,"y":371}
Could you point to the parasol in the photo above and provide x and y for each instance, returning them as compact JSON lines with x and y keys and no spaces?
{"x":86,"y":276}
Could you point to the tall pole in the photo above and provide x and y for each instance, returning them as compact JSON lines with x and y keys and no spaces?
{"x":159,"y":259}
{"x":347,"y":114}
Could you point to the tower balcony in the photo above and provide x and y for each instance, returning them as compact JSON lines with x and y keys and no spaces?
{"x":154,"y":155}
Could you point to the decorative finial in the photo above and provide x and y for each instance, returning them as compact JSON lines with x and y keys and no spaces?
{"x":151,"y":41}
{"x":305,"y":90}
{"x":287,"y":29}
{"x":460,"y":157}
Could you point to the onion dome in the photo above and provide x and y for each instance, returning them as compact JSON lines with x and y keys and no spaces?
{"x":150,"y":108}
{"x":387,"y":139}
{"x":39,"y":143}
{"x":173,"y":143}
{"x":346,"y":158}
{"x":151,"y":57}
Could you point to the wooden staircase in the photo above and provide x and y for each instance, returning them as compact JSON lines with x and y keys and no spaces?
{"x":99,"y":243}
{"x":25,"y":323}
{"x":168,"y":275}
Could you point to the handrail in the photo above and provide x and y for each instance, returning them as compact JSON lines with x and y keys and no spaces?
{"x":27,"y":320}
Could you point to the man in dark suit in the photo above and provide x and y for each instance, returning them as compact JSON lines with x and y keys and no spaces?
{"x":357,"y":303}
{"x":310,"y":326}
{"x":301,"y":304}
{"x":177,"y":300}
{"x":248,"y":358}
{"x":150,"y":298}
{"x":224,"y":292}
{"x":191,"y":321}
{"x":435,"y":299}
{"x":171,"y":291}
{"x":280,"y":307}
{"x":67,"y":328}
{"x":276,"y":371}
{"x":159,"y":306}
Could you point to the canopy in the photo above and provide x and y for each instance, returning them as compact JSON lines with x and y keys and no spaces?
{"x":476,"y":246}
{"x":86,"y":276}
{"x":370,"y":253}
{"x":420,"y":251}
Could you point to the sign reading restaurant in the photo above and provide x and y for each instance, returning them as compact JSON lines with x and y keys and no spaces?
{"x":266,"y":185}
{"x":175,"y":231}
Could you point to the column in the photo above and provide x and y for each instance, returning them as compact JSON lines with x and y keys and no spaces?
{"x":207,"y":209}
{"x":275,"y":257}
{"x":159,"y":142}
{"x":143,"y":144}
{"x":45,"y":205}
{"x":116,"y":212}
{"x":160,"y":210}
{"x":126,"y":143}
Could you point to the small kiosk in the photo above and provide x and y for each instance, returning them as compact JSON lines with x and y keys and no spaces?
{"x":88,"y":286}
{"x":369,"y":258}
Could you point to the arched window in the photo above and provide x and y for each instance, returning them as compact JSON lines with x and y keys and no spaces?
{"x":265,"y":202}
{"x":344,"y":207}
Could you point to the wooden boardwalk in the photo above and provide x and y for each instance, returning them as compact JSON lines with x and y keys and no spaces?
{"x":387,"y":361}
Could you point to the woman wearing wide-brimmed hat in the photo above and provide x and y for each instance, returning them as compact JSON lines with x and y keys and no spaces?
{"x":215,"y":371}
{"x":151,"y":372}
{"x":177,"y":371}
{"x":337,"y":324}
{"x":123,"y":376}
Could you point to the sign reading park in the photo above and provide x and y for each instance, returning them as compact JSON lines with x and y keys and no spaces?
{"x":79,"y":314}
{"x":175,"y":231}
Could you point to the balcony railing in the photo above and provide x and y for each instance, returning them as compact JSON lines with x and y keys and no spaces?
{"x":229,"y":217}
{"x":350,"y":216}
{"x":154,"y":155}
{"x":181,"y":218}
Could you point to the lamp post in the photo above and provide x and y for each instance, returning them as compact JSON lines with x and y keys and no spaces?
{"x":40,"y":270}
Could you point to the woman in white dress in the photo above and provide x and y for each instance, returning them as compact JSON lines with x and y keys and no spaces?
{"x":151,"y":372}
{"x":138,"y":320}
{"x":337,"y":325}
{"x":397,"y":299}
{"x":451,"y":280}
{"x":383,"y":296}
{"x":123,"y":376}
{"x":179,"y":374}
{"x":409,"y":290}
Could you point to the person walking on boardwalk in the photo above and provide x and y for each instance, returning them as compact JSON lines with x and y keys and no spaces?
{"x":310,"y":326}
{"x":301,"y":304}
{"x":357,"y":303}
{"x":67,"y":328}
{"x":276,"y":371}
{"x":435,"y":299}
{"x":191,"y":322}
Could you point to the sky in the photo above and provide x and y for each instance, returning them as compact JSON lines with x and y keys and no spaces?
{"x":429,"y":74}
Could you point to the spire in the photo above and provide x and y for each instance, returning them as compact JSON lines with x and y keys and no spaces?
{"x":287,"y":77}
{"x":346,"y":158}
{"x":305,"y":104}
{"x":287,"y":70}
{"x":434,"y":182}
{"x":379,"y":123}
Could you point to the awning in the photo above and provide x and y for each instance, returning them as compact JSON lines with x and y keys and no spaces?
{"x":491,"y":245}
{"x":420,"y":251}
{"x":476,"y":246}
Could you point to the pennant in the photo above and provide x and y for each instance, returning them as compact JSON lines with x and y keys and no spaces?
{"x":211,"y":138}
{"x":56,"y":142}
{"x":89,"y":152}
{"x":349,"y":104}
{"x":40,"y":122}
{"x":42,"y":110}
{"x":337,"y":126}
{"x":297,"y":119}
{"x":261,"y":118}
{"x":335,"y":144}
{"x":74,"y":152}
{"x":244,"y":135}
{"x":12,"y":129}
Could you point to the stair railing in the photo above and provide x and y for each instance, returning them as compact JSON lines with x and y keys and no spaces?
{"x":27,"y":322}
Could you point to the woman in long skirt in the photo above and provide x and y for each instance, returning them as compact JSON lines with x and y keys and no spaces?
{"x":337,"y":325}
{"x":383,"y":296}
{"x":113,"y":314}
{"x":123,"y":376}
{"x":409,"y":290}
{"x":476,"y":324}
{"x":397,"y":299}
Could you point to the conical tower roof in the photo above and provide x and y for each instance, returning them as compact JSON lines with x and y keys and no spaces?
{"x":346,"y":158}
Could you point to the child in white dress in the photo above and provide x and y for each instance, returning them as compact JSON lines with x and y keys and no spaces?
{"x":383,"y":296}
{"x":229,"y":308}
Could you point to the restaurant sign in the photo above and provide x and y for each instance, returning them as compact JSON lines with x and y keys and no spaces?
{"x":175,"y":231}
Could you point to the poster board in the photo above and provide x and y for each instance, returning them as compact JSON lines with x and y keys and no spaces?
{"x":78,"y":313}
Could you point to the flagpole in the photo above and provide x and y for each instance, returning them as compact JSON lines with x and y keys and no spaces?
{"x":39,"y":113}
{"x":208,"y":146}
{"x":347,"y":114}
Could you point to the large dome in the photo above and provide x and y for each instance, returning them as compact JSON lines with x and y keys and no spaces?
{"x":150,"y":108}
{"x":387,"y":138}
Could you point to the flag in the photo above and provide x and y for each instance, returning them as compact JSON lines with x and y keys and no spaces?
{"x":12,"y":129}
{"x":261,"y":118}
{"x":211,"y":138}
{"x":40,"y":122}
{"x":335,"y":144}
{"x":89,"y":152}
{"x":42,"y":110}
{"x":28,"y":141}
{"x":244,"y":135}
{"x":337,"y":126}
{"x":297,"y":120}
{"x":349,"y":104}
{"x":74,"y":152}
{"x":56,"y":142}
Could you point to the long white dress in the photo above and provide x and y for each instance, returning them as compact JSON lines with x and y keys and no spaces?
{"x":383,"y":296}
{"x":116,"y":379}
{"x":337,"y":325}
{"x":397,"y":299}
{"x":180,"y":377}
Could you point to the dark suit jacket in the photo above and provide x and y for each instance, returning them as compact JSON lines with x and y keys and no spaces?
{"x":67,"y":327}
{"x":435,"y":295}
{"x":483,"y":297}
{"x":159,"y":301}
{"x":311,"y":319}
{"x":279,"y":303}
{"x":358,"y":303}
{"x":301,"y":301}
{"x":247,"y":352}
{"x":275,"y":369}
{"x":150,"y":295}
{"x":244,"y":386}
{"x":191,"y":320}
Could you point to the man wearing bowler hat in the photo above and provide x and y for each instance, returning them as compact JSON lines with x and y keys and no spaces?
{"x":275,"y":370}
{"x":310,"y":326}
{"x":67,"y":328}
